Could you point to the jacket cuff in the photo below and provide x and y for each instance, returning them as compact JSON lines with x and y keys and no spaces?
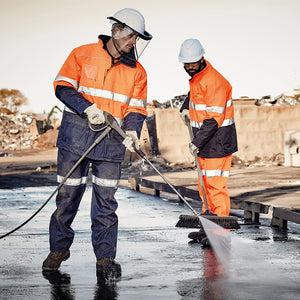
{"x":134,"y":121}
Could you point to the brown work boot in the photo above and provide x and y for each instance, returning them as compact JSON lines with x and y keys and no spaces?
{"x":108,"y":270}
{"x":54,"y":259}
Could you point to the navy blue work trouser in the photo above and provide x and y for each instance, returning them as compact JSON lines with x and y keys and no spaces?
{"x":105,"y":177}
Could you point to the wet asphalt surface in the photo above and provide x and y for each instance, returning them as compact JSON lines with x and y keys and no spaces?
{"x":158,"y":261}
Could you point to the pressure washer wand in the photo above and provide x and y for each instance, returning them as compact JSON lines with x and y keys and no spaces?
{"x":143,"y":156}
{"x":113,"y":124}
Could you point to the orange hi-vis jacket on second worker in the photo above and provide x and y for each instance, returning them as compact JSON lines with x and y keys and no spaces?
{"x":212,"y":119}
{"x":211,"y":114}
{"x":91,"y":75}
{"x":115,"y":87}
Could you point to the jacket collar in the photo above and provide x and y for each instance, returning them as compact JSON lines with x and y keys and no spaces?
{"x":128,"y":59}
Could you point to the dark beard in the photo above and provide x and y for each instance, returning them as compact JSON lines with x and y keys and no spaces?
{"x":193,"y":72}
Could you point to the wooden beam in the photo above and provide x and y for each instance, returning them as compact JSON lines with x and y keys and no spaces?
{"x":281,"y":216}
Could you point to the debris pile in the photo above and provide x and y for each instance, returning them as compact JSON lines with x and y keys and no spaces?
{"x":23,"y":131}
{"x":286,"y":98}
{"x":276,"y":160}
{"x":176,"y":102}
{"x":140,"y":167}
{"x":15,"y":132}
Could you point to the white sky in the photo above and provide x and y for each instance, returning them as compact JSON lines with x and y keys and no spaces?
{"x":255,"y":44}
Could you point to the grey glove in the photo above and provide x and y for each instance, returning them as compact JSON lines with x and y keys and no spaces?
{"x":131,"y":142}
{"x":185,"y":116}
{"x":95,"y":115}
{"x":193,"y":148}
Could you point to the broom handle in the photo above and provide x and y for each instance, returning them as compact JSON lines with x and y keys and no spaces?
{"x":198,"y":167}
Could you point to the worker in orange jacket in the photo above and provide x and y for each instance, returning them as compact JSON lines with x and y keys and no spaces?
{"x":98,"y":77}
{"x":209,"y":109}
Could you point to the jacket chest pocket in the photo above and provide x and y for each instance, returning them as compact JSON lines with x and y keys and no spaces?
{"x":90,"y":72}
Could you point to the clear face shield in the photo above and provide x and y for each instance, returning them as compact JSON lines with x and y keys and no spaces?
{"x":125,"y":39}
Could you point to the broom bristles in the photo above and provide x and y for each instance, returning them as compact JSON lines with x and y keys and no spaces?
{"x":193,"y":221}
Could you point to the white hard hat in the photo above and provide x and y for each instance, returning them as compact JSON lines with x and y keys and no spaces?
{"x":133,"y":19}
{"x":191,"y":51}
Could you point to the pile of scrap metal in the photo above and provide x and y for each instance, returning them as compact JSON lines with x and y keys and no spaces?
{"x":286,"y":98}
{"x":173,"y":103}
{"x":15,"y":132}
{"x":20,"y":131}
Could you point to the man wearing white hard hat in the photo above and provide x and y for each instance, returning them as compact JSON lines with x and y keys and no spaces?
{"x":96,"y":78}
{"x":209,"y":110}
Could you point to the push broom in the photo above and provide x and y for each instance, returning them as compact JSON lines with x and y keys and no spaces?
{"x":192,"y":221}
{"x":185,"y":220}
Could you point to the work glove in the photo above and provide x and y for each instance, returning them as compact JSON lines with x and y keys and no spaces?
{"x":185,"y":116}
{"x":95,"y":115}
{"x":193,"y":148}
{"x":131,"y":142}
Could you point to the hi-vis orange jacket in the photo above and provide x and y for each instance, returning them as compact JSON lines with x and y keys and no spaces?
{"x":90,"y":75}
{"x":118,"y":87}
{"x":211,"y":113}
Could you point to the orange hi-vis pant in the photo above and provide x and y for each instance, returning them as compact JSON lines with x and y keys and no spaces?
{"x":215,"y":174}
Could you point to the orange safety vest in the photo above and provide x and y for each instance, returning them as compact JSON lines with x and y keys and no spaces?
{"x":211,"y":98}
{"x":118,"y":89}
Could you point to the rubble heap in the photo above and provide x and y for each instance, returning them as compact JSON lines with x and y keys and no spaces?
{"x":24,"y":131}
{"x":176,"y":102}
{"x":15,"y":132}
{"x":286,"y":98}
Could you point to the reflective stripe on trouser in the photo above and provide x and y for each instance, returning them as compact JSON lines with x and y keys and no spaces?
{"x":104,"y":219}
{"x":215,"y":173}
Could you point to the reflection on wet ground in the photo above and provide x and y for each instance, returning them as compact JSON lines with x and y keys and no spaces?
{"x":158,"y":262}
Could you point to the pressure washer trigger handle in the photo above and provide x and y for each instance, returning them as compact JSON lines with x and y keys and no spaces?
{"x":140,"y":153}
{"x":112,"y":122}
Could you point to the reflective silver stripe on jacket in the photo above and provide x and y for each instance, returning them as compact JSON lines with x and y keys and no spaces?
{"x":216,"y":109}
{"x":229,"y":103}
{"x":204,"y":107}
{"x":197,"y":106}
{"x":212,"y":173}
{"x":226,"y":122}
{"x":112,"y":96}
{"x":72,"y":181}
{"x":119,"y":121}
{"x":69,"y":80}
{"x":114,"y":183}
{"x":137,"y":102}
